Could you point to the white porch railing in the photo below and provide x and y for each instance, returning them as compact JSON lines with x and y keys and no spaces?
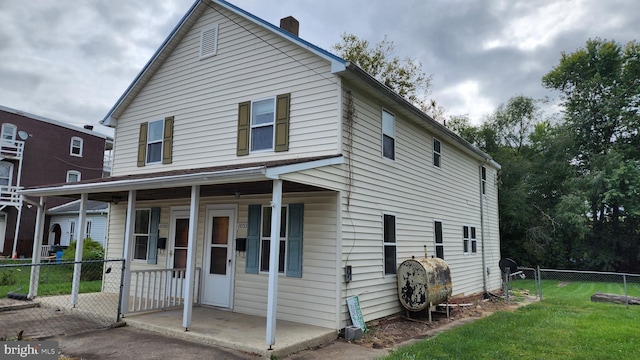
{"x":159,"y":289}
{"x":11,"y":149}
{"x":44,"y":250}
{"x":9,"y":195}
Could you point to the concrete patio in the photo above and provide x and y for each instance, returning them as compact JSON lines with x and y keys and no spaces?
{"x":241,"y":332}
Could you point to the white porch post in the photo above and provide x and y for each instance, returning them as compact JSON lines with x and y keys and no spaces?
{"x":77,"y":267}
{"x":37,"y":244}
{"x":17,"y":230}
{"x":191,"y":257}
{"x":274,"y":256}
{"x":127,"y":249}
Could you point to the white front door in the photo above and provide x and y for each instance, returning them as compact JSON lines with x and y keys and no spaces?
{"x":217,"y":272}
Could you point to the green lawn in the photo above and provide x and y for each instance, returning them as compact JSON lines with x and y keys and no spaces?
{"x":54,"y":280}
{"x":566,"y":325}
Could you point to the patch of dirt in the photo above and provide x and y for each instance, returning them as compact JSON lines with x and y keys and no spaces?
{"x":396,"y":329}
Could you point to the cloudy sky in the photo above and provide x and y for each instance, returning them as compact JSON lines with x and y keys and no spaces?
{"x":70,"y":60}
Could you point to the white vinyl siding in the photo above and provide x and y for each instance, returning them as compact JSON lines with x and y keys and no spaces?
{"x":204,"y":95}
{"x":419,"y":194}
{"x":310,"y":299}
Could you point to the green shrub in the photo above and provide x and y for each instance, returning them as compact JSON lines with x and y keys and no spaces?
{"x":91,"y":250}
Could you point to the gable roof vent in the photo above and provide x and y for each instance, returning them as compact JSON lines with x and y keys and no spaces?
{"x":209,"y":41}
{"x":290,"y":24}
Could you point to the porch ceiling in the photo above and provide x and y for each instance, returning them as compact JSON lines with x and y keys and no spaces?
{"x":244,"y":188}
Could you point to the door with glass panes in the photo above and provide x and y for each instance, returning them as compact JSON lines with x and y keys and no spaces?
{"x":218,"y":257}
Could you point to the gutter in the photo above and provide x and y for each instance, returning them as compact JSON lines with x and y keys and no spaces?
{"x":242,"y":175}
{"x":436,"y":126}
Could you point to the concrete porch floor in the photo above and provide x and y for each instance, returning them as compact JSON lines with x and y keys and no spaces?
{"x":234,"y":331}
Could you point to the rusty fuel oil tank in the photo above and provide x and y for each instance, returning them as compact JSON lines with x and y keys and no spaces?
{"x":423,"y":282}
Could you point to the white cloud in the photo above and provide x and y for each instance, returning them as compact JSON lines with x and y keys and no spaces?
{"x":465,"y":98}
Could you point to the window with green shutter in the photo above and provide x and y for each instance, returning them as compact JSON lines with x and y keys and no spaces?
{"x":155,"y":142}
{"x":263,"y":125}
{"x":291,"y":239}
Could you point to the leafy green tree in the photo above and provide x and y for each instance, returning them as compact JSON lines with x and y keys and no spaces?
{"x":404,"y":76}
{"x":600,"y":87}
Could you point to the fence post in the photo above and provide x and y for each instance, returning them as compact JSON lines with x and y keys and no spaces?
{"x":539,"y":282}
{"x":121,"y":288}
{"x":626,"y":295}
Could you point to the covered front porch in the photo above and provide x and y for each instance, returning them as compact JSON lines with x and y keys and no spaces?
{"x":187,"y":206}
{"x":231,"y":330}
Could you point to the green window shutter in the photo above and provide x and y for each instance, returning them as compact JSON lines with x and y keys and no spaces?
{"x":294,"y":241}
{"x":253,"y":240}
{"x":282,"y":122}
{"x":142,"y":144}
{"x":244,"y":126}
{"x":167,"y":141}
{"x":152,"y":246}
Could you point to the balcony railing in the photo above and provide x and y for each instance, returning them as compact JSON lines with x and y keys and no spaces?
{"x":11,"y":149}
{"x":9,"y":195}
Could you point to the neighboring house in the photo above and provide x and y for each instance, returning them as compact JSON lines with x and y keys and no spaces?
{"x":63,"y":220}
{"x":275,"y":167}
{"x":36,"y":151}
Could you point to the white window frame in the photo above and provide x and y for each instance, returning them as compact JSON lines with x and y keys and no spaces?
{"x":74,"y":173}
{"x":386,"y":244}
{"x":8,"y":129}
{"x":271,"y":124}
{"x":78,"y":147}
{"x":437,"y":154}
{"x":153,"y":142}
{"x":438,"y":245}
{"x":9,"y":178}
{"x":388,"y":124}
{"x":474,"y":240}
{"x":469,"y":240}
{"x":72,"y":231}
{"x":265,"y":239}
{"x":88,"y":229}
{"x":141,"y":235}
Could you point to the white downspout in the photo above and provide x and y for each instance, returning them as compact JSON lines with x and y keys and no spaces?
{"x":191,"y":257}
{"x":37,"y":243}
{"x":127,"y":250}
{"x":77,"y":267}
{"x":274,"y":256}
{"x":484,"y":262}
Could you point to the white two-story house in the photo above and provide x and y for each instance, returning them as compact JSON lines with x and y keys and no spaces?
{"x":264,"y":167}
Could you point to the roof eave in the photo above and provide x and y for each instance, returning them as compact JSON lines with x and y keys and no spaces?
{"x":369,"y":80}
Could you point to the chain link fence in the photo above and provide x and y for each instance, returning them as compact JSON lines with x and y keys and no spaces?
{"x":55,"y":310}
{"x":575,"y":285}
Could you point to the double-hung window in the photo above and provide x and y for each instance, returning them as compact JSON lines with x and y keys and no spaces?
{"x":9,"y":132}
{"x":265,"y":239}
{"x":141,"y":234}
{"x":388,"y":135}
{"x":258,"y":245}
{"x":484,"y":180}
{"x":389,"y":244}
{"x":76,"y":146}
{"x":469,"y":239}
{"x":155,"y":142}
{"x":437,"y":155}
{"x":262,"y":124}
{"x":439,"y":240}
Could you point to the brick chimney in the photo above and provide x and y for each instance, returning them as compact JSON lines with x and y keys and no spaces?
{"x":290,"y":24}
